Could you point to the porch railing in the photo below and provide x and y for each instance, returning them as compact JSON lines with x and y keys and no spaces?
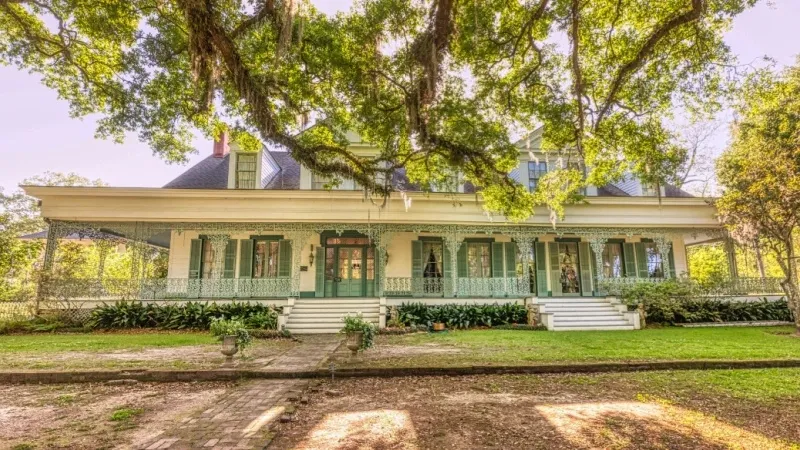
{"x":466,"y":287}
{"x":110,"y":289}
{"x":733,"y":286}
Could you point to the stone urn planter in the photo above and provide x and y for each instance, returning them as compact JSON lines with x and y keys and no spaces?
{"x":438,"y":326}
{"x":230,"y":347}
{"x":355,"y":340}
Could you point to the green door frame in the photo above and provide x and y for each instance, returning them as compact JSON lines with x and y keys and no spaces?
{"x":364,"y":248}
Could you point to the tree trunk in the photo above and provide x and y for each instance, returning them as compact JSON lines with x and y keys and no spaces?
{"x":789,"y":285}
{"x":759,"y":260}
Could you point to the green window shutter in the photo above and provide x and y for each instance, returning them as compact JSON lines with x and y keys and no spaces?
{"x":541,"y":269}
{"x":319,"y":260}
{"x":417,"y":259}
{"x":629,"y":258}
{"x":584,"y":256}
{"x":497,"y":260}
{"x":641,"y":259}
{"x":195,"y":257}
{"x":555,"y":269}
{"x":447,"y":269}
{"x":462,"y":260}
{"x":230,"y":259}
{"x":417,"y":269}
{"x":246,"y":258}
{"x":511,"y":260}
{"x":285,"y":258}
{"x":671,"y":257}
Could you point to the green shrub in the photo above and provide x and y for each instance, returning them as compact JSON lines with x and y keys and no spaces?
{"x":462,"y":316}
{"x":674,"y":301}
{"x":190,"y":315}
{"x":353,"y":324}
{"x":231,"y":327}
{"x":123,"y":414}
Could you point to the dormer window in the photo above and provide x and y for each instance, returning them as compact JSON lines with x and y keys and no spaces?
{"x":246,"y":165}
{"x":649,"y":190}
{"x":536,"y":170}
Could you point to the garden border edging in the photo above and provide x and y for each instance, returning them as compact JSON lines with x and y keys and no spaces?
{"x":56,"y":377}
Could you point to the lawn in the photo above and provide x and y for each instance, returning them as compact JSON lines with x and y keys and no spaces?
{"x":123,"y":350}
{"x":755,"y":409}
{"x":516,"y":347}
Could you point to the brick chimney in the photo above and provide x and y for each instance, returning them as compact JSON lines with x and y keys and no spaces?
{"x":221,"y":145}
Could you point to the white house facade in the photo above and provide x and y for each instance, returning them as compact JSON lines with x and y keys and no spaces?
{"x":259,"y":227}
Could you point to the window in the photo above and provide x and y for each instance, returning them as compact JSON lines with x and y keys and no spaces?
{"x":320,"y":182}
{"x":612,"y":260}
{"x":479,"y":260}
{"x":246,"y":170}
{"x":265,"y":259}
{"x":655,"y":267}
{"x":649,"y":190}
{"x":432,"y":253}
{"x":531,"y":267}
{"x":449,"y":185}
{"x":535,"y":171}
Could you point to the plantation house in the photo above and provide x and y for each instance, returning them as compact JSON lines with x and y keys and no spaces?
{"x":257,"y":226}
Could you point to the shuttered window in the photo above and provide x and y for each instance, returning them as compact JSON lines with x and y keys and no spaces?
{"x":536,"y":170}
{"x":246,"y":171}
{"x":612,"y":260}
{"x":265,"y":259}
{"x":479,"y":261}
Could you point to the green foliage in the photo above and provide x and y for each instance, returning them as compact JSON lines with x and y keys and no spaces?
{"x":674,"y":301}
{"x":355,"y":324}
{"x":444,"y":100}
{"x":708,"y":264}
{"x":462,"y":316}
{"x":124,"y":414}
{"x":760,"y":171}
{"x":231,"y":327}
{"x":190,"y":315}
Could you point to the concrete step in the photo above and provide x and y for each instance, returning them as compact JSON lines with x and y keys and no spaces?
{"x":593,"y":328}
{"x":587,"y":323}
{"x":334,"y":308}
{"x":314,"y":330}
{"x":587,"y":309}
{"x":576,"y":303}
{"x":561,"y":317}
{"x":336,"y":300}
{"x":315,"y":326}
{"x":330,"y":315}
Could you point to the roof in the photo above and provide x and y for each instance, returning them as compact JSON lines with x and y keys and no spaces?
{"x":212,"y":173}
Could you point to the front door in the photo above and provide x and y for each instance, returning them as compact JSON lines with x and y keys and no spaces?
{"x":569,"y":266}
{"x":349,"y":281}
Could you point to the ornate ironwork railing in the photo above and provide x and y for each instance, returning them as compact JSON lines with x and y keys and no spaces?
{"x":466,"y":287}
{"x":110,"y":289}
{"x":733,"y":286}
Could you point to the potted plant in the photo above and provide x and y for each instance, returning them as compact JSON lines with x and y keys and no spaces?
{"x":359,"y":333}
{"x":438,"y":326}
{"x":234,"y":337}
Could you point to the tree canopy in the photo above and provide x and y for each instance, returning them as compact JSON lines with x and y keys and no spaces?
{"x":760,"y":172}
{"x":439,"y":86}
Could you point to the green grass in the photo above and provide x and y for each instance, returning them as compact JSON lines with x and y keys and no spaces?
{"x":505,"y":347}
{"x":53,"y":343}
{"x":759,"y":385}
{"x":123,"y":414}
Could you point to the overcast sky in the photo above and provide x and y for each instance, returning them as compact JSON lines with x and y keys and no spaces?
{"x":37,"y":134}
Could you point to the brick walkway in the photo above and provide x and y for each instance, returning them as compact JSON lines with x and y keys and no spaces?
{"x":242,"y":418}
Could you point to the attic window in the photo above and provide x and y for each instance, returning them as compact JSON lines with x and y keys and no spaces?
{"x":246,"y":171}
{"x":649,"y":190}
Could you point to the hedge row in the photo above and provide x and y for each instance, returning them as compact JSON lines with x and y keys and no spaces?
{"x":191,"y":315}
{"x":461,"y":316}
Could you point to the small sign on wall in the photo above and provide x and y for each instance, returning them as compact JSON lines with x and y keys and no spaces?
{"x":303,"y":268}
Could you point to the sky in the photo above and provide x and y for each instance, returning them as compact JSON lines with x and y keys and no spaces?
{"x":37,"y":134}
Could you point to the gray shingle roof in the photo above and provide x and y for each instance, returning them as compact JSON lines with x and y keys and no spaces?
{"x":212,"y":173}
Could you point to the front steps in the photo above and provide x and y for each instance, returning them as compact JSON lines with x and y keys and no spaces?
{"x":324,"y":315}
{"x":585,"y":313}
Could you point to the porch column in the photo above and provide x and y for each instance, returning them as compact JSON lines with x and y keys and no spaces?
{"x":380,"y":264}
{"x":664,"y":245}
{"x":598,"y":245}
{"x":525,"y":243}
{"x":54,"y":233}
{"x":453,"y":241}
{"x":218,"y":244}
{"x":299,"y":240}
